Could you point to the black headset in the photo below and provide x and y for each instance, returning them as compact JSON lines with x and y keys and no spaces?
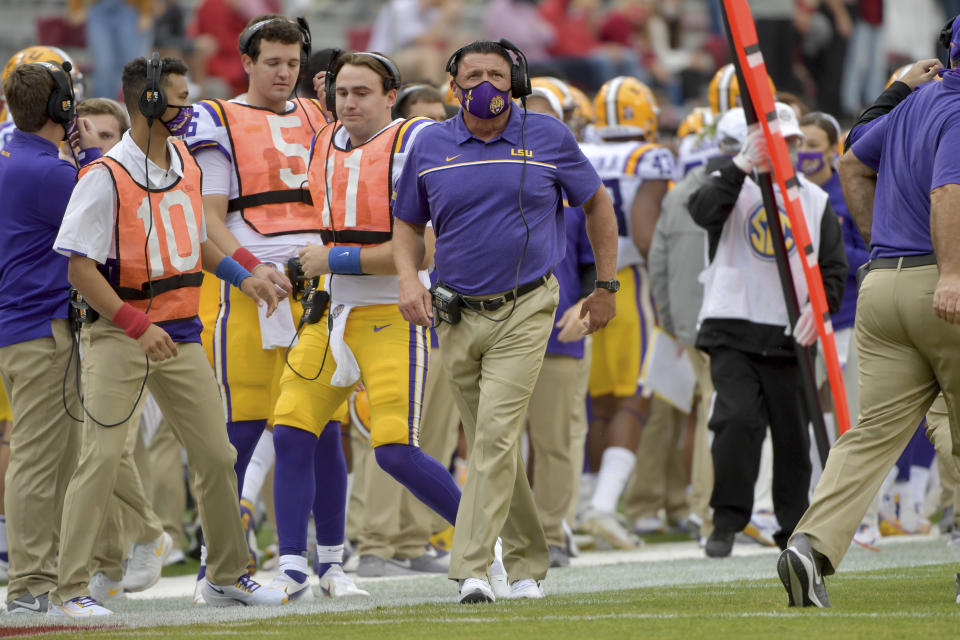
{"x":519,"y":75}
{"x":403,"y":95}
{"x":60,"y":105}
{"x":153,"y":99}
{"x":246,"y":37}
{"x":330,"y":80}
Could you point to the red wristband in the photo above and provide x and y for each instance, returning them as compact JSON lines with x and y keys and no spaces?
{"x":133,"y":322}
{"x":246,"y":259}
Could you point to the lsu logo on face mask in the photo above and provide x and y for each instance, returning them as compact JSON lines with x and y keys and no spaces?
{"x":759,"y":237}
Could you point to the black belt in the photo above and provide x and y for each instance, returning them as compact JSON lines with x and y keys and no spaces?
{"x":492,"y":304}
{"x":904,"y":262}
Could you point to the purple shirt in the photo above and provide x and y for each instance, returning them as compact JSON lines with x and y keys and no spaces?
{"x":913,"y":149}
{"x":469,"y":189}
{"x":856,"y":250}
{"x":36,"y":187}
{"x":579,"y":253}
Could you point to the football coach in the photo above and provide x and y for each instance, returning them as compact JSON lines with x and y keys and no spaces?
{"x":492,"y":180}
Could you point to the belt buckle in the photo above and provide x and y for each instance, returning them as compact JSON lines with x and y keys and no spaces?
{"x":492,"y":304}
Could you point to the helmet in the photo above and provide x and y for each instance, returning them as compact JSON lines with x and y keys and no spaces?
{"x":577,"y":112}
{"x":557,"y":87}
{"x":696,"y":121}
{"x":724,"y":89}
{"x":44,"y":54}
{"x":625,"y":107}
{"x":584,"y":109}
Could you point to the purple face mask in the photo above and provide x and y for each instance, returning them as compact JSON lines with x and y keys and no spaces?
{"x":484,"y":100}
{"x":179,"y":124}
{"x":810,"y":162}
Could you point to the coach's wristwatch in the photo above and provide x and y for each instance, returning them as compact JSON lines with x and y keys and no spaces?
{"x":609,"y":285}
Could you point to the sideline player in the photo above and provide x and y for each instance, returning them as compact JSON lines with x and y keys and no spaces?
{"x":353,"y":167}
{"x":637,"y":172}
{"x":113,"y":223}
{"x":253,"y":151}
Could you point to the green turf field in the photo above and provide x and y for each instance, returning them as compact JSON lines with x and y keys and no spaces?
{"x":906,"y":590}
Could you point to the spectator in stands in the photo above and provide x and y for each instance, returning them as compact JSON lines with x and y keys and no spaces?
{"x":418,"y":35}
{"x":866,"y":56}
{"x":519,"y":22}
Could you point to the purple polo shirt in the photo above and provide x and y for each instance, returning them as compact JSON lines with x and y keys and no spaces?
{"x":469,"y":189}
{"x":36,"y":187}
{"x":579,"y":253}
{"x":913,"y":149}
{"x":856,"y":249}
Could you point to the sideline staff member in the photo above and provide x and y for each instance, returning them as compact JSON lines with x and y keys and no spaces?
{"x":465,"y":175}
{"x":901,"y":182}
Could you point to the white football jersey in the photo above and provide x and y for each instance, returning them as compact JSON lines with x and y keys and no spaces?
{"x":623,"y":167}
{"x":695,"y":149}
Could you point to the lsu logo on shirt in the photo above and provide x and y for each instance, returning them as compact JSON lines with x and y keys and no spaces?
{"x":759,"y":237}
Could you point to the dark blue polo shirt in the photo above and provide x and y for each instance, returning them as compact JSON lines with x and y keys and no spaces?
{"x":469,"y":189}
{"x":856,"y":249}
{"x":579,"y":253}
{"x":35,"y":185}
{"x":914,"y":151}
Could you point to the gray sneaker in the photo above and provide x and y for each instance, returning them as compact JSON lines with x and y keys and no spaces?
{"x":800,"y":573}
{"x":558,"y":557}
{"x":28,"y":604}
{"x":372,"y":566}
{"x":431,"y":563}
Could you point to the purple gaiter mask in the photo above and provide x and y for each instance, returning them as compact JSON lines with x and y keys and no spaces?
{"x":484,"y":100}
{"x":179,"y":124}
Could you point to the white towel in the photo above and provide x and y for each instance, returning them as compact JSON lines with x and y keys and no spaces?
{"x":348,"y":371}
{"x":277,"y":330}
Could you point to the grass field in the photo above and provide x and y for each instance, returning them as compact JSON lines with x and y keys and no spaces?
{"x":664,"y":591}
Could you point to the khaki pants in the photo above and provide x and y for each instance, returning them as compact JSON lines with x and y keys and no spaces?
{"x":186,"y":392}
{"x":356,"y":509}
{"x":701,"y":473}
{"x":494,"y":367}
{"x":906,"y":357}
{"x":659,"y":479}
{"x":554,"y":434}
{"x":43,"y":447}
{"x":395,"y":523}
{"x":163,"y":480}
{"x":938,"y":430}
{"x":578,"y":418}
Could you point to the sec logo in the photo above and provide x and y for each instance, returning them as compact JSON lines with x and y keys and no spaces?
{"x":759,"y":237}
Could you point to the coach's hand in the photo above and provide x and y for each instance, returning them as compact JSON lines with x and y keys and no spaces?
{"x":572,"y":326}
{"x":157,"y":344}
{"x":416,"y":304}
{"x":599,"y":309}
{"x":315,"y":260}
{"x":262,"y":292}
{"x":270,"y":273}
{"x":922,"y":72}
{"x":946,"y":298}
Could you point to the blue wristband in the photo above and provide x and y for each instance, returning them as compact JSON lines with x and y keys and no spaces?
{"x":344,"y":260}
{"x":230,"y":271}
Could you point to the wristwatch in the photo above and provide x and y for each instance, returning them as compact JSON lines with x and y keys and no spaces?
{"x":609,"y":285}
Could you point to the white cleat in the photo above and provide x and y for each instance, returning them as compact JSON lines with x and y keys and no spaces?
{"x":296,"y":590}
{"x":82,"y":607}
{"x":336,"y":584}
{"x":498,"y":574}
{"x":146,"y":562}
{"x":607,"y":526}
{"x":476,"y":591}
{"x":246,"y":591}
{"x":103,"y":589}
{"x":527,"y":588}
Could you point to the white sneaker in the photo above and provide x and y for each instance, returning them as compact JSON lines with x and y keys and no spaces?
{"x":103,"y":589}
{"x":245,"y":591}
{"x":296,"y":590}
{"x":647,"y":524}
{"x":476,"y":590}
{"x":82,"y":607}
{"x":526,"y":589}
{"x":336,"y":584}
{"x":146,"y":562}
{"x":498,"y":573}
{"x":176,"y":557}
{"x":867,"y":536}
{"x":607,"y":526}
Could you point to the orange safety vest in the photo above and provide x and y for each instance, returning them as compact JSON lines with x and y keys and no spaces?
{"x":361,"y":187}
{"x":173,"y":246}
{"x":270,"y":155}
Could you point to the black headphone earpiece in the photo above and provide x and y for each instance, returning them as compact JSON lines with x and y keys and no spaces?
{"x":403,"y":95}
{"x":519,"y":74}
{"x":60,"y":104}
{"x":946,"y":34}
{"x":153,"y":100}
{"x":330,"y":80}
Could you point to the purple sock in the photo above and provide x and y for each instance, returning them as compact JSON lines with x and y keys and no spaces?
{"x":292,"y":496}
{"x":330,"y":502}
{"x":244,"y":435}
{"x":423,"y":476}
